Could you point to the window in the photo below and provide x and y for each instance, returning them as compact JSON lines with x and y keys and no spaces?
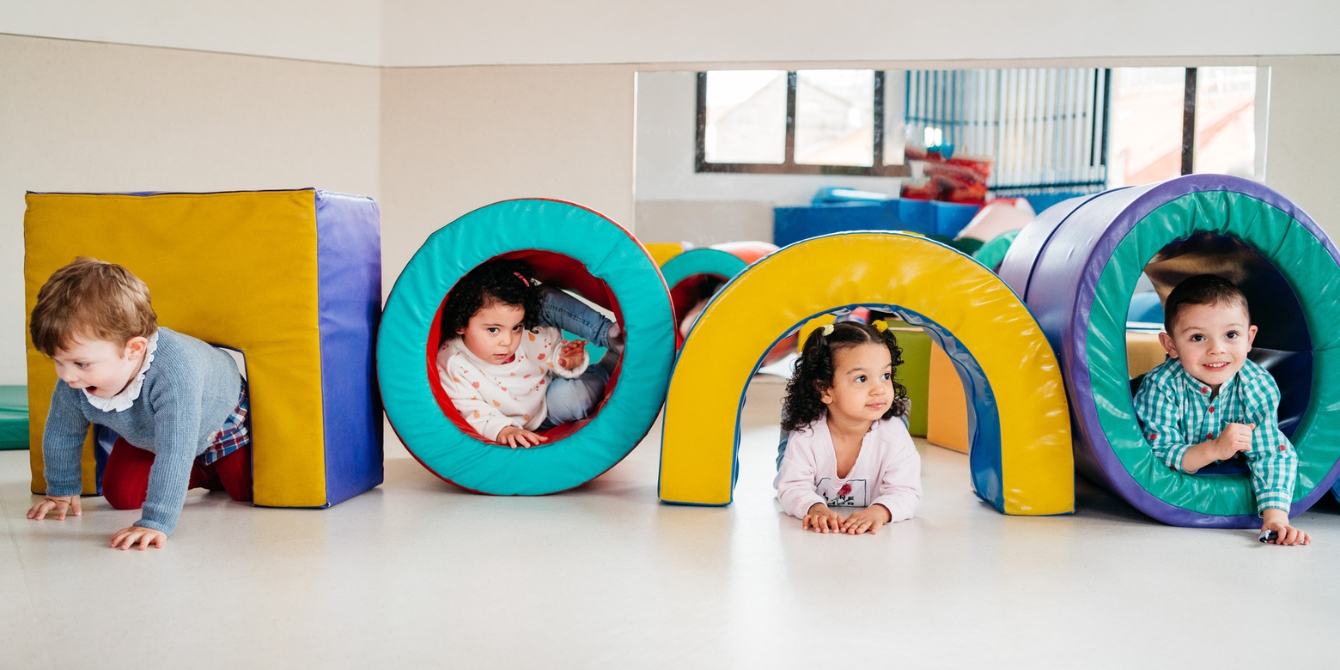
{"x":1147,"y":114}
{"x":802,"y":122}
{"x":1043,"y":128}
{"x":1225,"y":121}
{"x":745,"y":116}
{"x":1170,"y":121}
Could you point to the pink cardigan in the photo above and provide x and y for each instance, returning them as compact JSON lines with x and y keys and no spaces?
{"x":887,"y":471}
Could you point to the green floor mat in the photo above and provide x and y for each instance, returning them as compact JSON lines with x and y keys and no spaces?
{"x":13,"y":417}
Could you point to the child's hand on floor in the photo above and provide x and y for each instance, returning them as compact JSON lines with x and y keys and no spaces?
{"x":820,"y":519}
{"x":870,"y":518}
{"x":519,"y":437}
{"x":57,"y":505}
{"x":571,"y":354}
{"x":1278,"y":521}
{"x":127,"y":537}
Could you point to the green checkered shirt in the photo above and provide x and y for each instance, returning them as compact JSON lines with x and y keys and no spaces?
{"x":1176,"y":413}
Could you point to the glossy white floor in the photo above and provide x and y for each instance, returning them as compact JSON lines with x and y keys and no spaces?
{"x":417,"y":572}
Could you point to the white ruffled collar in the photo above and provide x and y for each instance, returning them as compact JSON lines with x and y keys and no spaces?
{"x":123,"y":400}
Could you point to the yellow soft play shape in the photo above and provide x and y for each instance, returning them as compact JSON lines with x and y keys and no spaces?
{"x":1143,"y":352}
{"x":1021,"y":461}
{"x":663,"y":251}
{"x":238,"y":270}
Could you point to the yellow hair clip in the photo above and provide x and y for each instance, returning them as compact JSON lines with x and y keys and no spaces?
{"x":880,"y":324}
{"x":828,"y":329}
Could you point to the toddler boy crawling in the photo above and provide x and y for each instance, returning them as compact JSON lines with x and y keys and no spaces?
{"x":178,"y":405}
{"x":1207,"y":402}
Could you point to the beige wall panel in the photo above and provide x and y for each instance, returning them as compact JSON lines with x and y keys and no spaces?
{"x":703,"y":223}
{"x":78,"y":116}
{"x":456,"y":139}
{"x":1303,"y":144}
{"x":516,"y":32}
{"x":337,"y":31}
{"x":430,"y":32}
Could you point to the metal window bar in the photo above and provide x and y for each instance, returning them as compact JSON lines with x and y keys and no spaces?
{"x":1044,"y":128}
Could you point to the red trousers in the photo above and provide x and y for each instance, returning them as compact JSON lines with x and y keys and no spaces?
{"x":125,"y":478}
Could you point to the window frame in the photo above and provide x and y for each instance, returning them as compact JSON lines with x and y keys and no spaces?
{"x":789,"y":164}
{"x":1189,"y":122}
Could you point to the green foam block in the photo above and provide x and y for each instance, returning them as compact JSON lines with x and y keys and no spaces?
{"x":13,"y":417}
{"x":915,"y":374}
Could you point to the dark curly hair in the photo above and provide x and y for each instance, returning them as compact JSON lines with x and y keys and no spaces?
{"x":814,"y":372}
{"x":1201,"y":290}
{"x":500,"y":281}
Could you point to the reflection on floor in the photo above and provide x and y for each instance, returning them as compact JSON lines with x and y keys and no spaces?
{"x":417,"y":572}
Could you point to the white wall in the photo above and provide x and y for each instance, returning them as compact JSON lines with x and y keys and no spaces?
{"x":93,"y":117}
{"x":677,"y":204}
{"x":1303,"y":157}
{"x":455,"y":139}
{"x":336,"y":31}
{"x":437,"y":33}
{"x":429,"y":32}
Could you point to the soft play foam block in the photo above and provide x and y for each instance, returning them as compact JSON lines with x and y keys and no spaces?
{"x":947,"y":405}
{"x":13,"y":417}
{"x":915,"y":373}
{"x":292,"y":279}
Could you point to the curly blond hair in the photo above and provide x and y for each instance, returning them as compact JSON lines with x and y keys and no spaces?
{"x":91,"y":299}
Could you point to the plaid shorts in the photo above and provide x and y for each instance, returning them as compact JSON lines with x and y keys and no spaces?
{"x":233,"y":435}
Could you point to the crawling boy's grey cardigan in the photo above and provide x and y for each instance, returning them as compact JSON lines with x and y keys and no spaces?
{"x":188,"y":392}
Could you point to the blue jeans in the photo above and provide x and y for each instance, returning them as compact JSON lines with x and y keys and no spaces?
{"x":571,"y":400}
{"x":561,"y":310}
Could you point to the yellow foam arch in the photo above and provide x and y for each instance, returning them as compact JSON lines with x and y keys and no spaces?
{"x":663,"y":251}
{"x":1035,"y":468}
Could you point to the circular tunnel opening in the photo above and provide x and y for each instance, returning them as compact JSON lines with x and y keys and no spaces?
{"x":689,"y":296}
{"x":1283,"y":345}
{"x":981,"y":418}
{"x":552,"y":269}
{"x":1081,"y":264}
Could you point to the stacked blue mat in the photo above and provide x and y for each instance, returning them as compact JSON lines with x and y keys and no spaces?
{"x":836,"y":210}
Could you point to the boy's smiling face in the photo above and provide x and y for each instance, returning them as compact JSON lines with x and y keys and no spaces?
{"x":1211,"y":341}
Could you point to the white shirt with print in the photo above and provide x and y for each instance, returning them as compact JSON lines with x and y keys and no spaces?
{"x":492,"y":397}
{"x":887,"y":471}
